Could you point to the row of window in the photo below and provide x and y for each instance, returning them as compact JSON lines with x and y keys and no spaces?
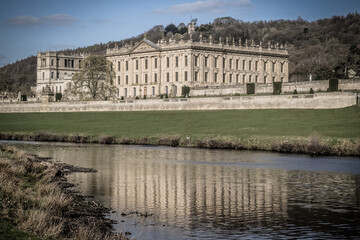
{"x":230,"y":79}
{"x":145,"y":91}
{"x":52,"y":75}
{"x":69,"y":63}
{"x":252,"y":65}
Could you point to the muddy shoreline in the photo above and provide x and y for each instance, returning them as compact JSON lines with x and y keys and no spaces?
{"x":78,"y":217}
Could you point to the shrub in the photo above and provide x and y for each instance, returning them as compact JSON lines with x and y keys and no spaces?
{"x":58,"y":96}
{"x":277,"y":88}
{"x":166,"y":95}
{"x":185,"y":91}
{"x":136,"y":97}
{"x":295,"y":91}
{"x":277,"y":92}
{"x":250,"y":88}
{"x":144,"y":96}
{"x":333,"y":84}
{"x":23,"y":98}
{"x":237,"y":94}
{"x":311,"y":91}
{"x":161,"y":96}
{"x":122,"y":97}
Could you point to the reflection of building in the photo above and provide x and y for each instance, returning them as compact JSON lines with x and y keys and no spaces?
{"x":149,"y":69}
{"x":143,"y":180}
{"x":56,"y":70}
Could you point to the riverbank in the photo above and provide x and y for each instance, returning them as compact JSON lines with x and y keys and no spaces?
{"x":309,"y":131}
{"x":312,"y":145}
{"x":36,"y":202}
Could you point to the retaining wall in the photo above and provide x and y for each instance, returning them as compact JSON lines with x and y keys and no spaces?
{"x":317,"y":101}
{"x":267,"y":88}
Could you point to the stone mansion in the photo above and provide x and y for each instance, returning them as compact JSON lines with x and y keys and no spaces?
{"x":149,"y":69}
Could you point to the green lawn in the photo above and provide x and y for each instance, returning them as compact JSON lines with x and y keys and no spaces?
{"x":338,"y":123}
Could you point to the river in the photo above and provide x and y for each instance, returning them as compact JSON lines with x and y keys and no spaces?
{"x":182,"y":193}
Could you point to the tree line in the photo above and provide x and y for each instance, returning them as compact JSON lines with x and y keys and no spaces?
{"x":324,"y":48}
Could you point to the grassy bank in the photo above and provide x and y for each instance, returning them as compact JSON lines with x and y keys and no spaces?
{"x":333,"y":131}
{"x":35,"y":202}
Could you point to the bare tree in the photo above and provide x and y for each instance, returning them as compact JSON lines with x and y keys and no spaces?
{"x":95,"y":78}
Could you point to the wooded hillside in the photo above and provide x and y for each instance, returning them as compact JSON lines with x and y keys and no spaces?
{"x":324,"y":48}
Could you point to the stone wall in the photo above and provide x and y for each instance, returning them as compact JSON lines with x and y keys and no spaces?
{"x":261,"y":88}
{"x":317,"y":101}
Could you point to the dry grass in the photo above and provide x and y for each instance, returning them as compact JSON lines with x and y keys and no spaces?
{"x":32,"y":199}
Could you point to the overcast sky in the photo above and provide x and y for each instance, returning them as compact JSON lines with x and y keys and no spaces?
{"x":39,"y":25}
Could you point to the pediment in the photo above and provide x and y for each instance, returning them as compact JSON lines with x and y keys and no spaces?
{"x":144,"y":46}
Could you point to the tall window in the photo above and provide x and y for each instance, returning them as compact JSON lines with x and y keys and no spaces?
{"x":243,"y":80}
{"x":52,"y":62}
{"x":230,"y":63}
{"x":223,"y":62}
{"x":155,"y":62}
{"x":134,"y":91}
{"x":196,"y":60}
{"x":119,"y":66}
{"x":256,"y":65}
{"x":153,"y":91}
{"x":264,"y":79}
{"x":237,"y":64}
{"x":250,"y":65}
{"x":237,"y":78}
{"x":146,"y":78}
{"x":206,"y":61}
{"x":155,"y":77}
{"x":146,"y":64}
{"x":176,"y":61}
{"x":125,"y":92}
{"x":273,"y":79}
{"x":250,"y":78}
{"x":185,"y":76}
{"x":52,"y":75}
{"x":168,"y":77}
{"x":230,"y":78}
{"x":224,"y":75}
{"x":127,"y":79}
{"x":118,"y":80}
{"x":264,"y":66}
{"x":167,"y":62}
{"x":206,"y":76}
{"x":57,"y":75}
{"x":137,"y":79}
{"x":243,"y":65}
{"x":166,"y":90}
{"x":282,"y":67}
{"x":215,"y":62}
{"x":256,"y":78}
{"x":186,"y":61}
{"x":196,"y":76}
{"x":273,"y":67}
{"x":137,"y":64}
{"x":176,"y":76}
{"x":215,"y":77}
{"x":127,"y":65}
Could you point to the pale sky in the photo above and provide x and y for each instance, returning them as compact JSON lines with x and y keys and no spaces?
{"x":39,"y":25}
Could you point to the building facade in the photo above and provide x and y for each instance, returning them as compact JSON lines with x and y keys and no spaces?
{"x":149,"y":69}
{"x":56,"y":70}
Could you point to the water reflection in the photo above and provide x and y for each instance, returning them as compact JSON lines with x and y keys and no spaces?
{"x":200,"y":194}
